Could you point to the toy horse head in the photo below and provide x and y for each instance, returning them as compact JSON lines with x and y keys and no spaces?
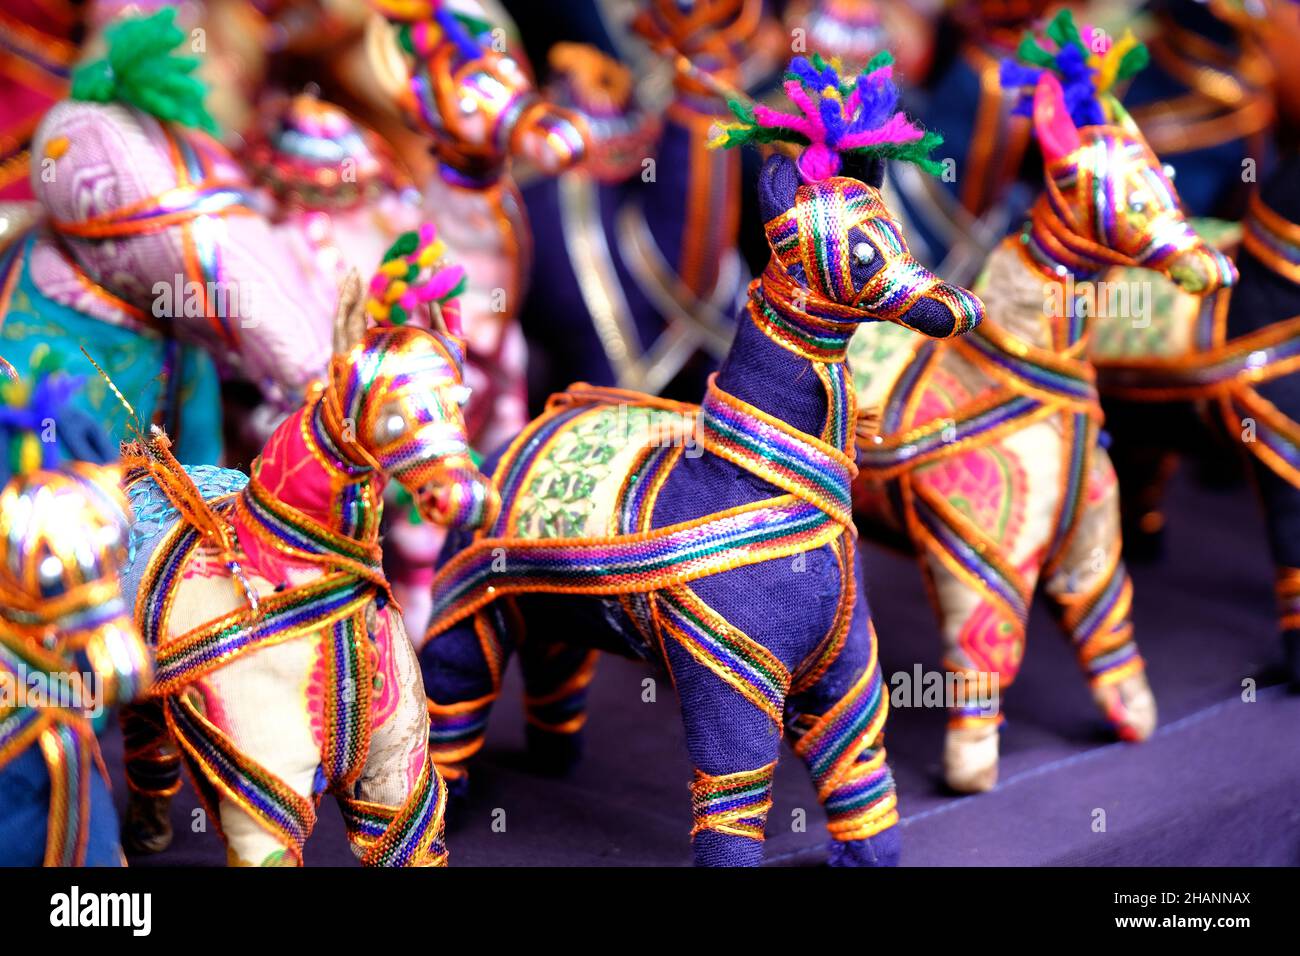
{"x":394,"y":394}
{"x":838,"y":255}
{"x":159,"y":216}
{"x":62,"y":541}
{"x":1110,"y":201}
{"x":478,"y":102}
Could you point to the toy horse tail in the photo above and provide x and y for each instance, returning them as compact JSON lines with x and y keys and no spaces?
{"x":153,"y":459}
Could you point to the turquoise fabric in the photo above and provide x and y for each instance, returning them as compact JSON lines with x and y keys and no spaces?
{"x":131,"y":359}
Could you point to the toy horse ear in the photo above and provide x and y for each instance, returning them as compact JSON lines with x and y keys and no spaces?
{"x":387,"y":64}
{"x":350,"y":319}
{"x":1120,"y":116}
{"x":1056,"y":132}
{"x":436,"y":320}
{"x":776,"y":186}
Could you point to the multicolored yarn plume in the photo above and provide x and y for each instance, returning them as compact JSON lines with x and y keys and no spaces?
{"x":1088,"y":71}
{"x":838,"y":117}
{"x":416,"y":272}
{"x":27,"y":411}
{"x":141,"y":70}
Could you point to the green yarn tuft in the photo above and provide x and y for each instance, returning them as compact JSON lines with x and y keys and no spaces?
{"x":141,"y":70}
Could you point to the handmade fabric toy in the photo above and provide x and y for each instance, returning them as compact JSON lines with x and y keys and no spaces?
{"x":986,"y":453}
{"x":283,"y":671}
{"x":150,"y":245}
{"x":637,"y":272}
{"x":716,"y":539}
{"x":68,"y":648}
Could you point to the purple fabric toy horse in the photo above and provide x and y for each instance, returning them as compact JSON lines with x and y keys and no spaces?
{"x":716,"y":539}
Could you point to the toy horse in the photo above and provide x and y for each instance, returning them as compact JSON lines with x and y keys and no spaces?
{"x":150,"y":244}
{"x":283,"y":669}
{"x":68,"y":647}
{"x":637,"y":271}
{"x":985,"y":453}
{"x":716,"y":539}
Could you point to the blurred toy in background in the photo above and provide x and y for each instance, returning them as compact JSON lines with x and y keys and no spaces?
{"x":283,"y":669}
{"x":986,"y":453}
{"x":1240,"y":376}
{"x":150,"y":251}
{"x":69,"y":651}
{"x":961,"y":216}
{"x":481,"y":110}
{"x":439,"y":62}
{"x":677,"y":521}
{"x":1206,"y":103}
{"x":1257,"y":387}
{"x":856,"y":30}
{"x":231,"y":41}
{"x":38,"y":46}
{"x":637,"y":271}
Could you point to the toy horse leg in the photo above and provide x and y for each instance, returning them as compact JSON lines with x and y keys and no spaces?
{"x":153,"y":775}
{"x":557,"y":678}
{"x":1091,"y":592}
{"x":462,"y":677}
{"x":396,"y":814}
{"x":733,"y":746}
{"x":984,"y":638}
{"x":836,"y":727}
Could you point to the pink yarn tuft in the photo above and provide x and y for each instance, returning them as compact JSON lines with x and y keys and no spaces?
{"x":818,"y":162}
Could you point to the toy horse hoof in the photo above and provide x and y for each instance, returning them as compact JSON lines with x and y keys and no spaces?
{"x":1130,"y":707}
{"x":552,"y":754}
{"x":148,"y":826}
{"x":883,"y":849}
{"x":970,"y":758}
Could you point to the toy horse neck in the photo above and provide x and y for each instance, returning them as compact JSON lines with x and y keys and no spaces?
{"x":308,"y":496}
{"x":1055,"y":250}
{"x":483,"y":217}
{"x":692,"y":211}
{"x":781,"y":366}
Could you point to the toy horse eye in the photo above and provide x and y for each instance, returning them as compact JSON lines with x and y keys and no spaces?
{"x":50,"y":572}
{"x":1136,"y":204}
{"x":863,"y":253}
{"x":393,"y":426}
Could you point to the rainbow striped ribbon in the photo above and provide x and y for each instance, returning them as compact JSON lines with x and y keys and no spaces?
{"x":739,"y":660}
{"x":282,"y":617}
{"x":225,"y":773}
{"x":1259,"y":356}
{"x":735,"y":804}
{"x":809,"y":469}
{"x":412,"y":835}
{"x":846,"y":760}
